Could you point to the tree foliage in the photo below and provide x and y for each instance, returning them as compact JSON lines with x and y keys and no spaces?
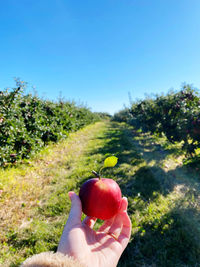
{"x":27,"y":122}
{"x":176,"y":115}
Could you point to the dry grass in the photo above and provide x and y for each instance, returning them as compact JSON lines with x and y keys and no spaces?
{"x":23,"y":187}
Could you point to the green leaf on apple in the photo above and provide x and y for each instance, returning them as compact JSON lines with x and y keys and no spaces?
{"x":110,"y":161}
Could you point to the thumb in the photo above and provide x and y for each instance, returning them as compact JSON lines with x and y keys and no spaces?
{"x":74,"y":220}
{"x":76,"y":210}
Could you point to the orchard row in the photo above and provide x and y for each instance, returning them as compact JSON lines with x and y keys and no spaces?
{"x":27,"y":122}
{"x":176,"y":115}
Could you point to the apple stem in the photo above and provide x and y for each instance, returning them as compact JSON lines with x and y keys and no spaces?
{"x":96,"y":174}
{"x":100,"y":171}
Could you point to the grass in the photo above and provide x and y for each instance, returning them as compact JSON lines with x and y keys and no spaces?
{"x":163,"y":201}
{"x":34,"y":204}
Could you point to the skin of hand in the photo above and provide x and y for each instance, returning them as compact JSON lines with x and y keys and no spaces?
{"x":101,"y":248}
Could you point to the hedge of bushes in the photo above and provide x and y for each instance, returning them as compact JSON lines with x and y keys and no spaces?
{"x":27,"y":122}
{"x":176,"y":115}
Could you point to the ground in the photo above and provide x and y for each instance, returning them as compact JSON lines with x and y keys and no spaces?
{"x":163,"y":196}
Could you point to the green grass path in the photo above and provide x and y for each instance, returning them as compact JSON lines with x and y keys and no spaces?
{"x":163,"y":197}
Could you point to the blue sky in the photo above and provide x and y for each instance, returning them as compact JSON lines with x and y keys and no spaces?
{"x":95,"y":52}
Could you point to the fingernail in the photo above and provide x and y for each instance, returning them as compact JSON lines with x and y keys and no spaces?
{"x":70,"y":194}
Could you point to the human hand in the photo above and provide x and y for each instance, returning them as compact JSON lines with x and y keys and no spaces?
{"x":101,"y":248}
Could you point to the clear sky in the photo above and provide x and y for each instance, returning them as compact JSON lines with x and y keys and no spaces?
{"x":96,"y":51}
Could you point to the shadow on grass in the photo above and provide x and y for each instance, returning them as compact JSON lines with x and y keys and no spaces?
{"x":166,"y":147}
{"x":150,"y":149}
{"x":167,"y":242}
{"x":141,"y":180}
{"x":119,"y":142}
{"x":170,"y":240}
{"x":193,"y":163}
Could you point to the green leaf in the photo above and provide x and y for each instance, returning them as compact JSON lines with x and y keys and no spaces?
{"x":110,"y":161}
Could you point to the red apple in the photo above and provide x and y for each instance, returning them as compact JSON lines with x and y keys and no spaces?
{"x":100,"y":198}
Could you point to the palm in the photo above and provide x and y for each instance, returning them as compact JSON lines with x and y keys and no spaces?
{"x":96,"y":248}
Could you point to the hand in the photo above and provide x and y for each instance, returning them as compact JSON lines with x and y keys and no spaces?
{"x":101,"y":248}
